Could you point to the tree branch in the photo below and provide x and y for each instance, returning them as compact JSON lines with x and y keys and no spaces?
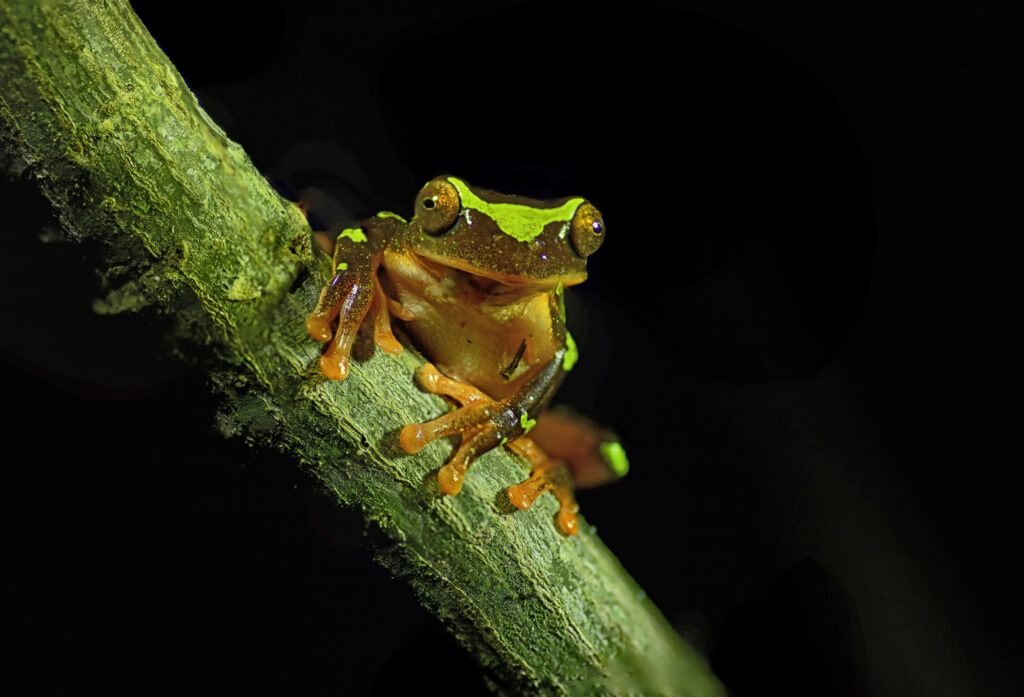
{"x":94,"y":111}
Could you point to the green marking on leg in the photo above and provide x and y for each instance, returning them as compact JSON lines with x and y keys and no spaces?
{"x":560,"y":295}
{"x":615,"y":455}
{"x":572,"y":354}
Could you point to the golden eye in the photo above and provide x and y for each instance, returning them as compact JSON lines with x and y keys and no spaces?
{"x":587,"y":232}
{"x":437,"y":206}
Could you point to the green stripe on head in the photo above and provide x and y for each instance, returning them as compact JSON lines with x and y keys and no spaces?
{"x":519,"y":221}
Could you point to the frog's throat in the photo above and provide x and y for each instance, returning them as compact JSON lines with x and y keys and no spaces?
{"x":519,"y":282}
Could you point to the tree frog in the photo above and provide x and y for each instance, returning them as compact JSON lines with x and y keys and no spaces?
{"x":477,"y":278}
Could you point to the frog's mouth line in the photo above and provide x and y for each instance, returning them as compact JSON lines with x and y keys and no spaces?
{"x":493,"y":283}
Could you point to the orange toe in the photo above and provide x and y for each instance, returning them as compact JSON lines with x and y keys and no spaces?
{"x":318,"y":328}
{"x":388,"y":343}
{"x":429,"y":377}
{"x":412,"y":438}
{"x":450,"y":480}
{"x":334,"y":368}
{"x":568,"y":522}
{"x":523,"y":495}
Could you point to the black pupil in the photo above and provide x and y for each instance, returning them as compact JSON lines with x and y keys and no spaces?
{"x":598,"y":227}
{"x":428,"y":203}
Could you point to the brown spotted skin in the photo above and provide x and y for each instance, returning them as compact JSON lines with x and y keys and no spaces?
{"x":482,"y":305}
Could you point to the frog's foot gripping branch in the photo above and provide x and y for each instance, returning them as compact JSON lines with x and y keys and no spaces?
{"x":480,"y":420}
{"x":547,"y":474}
{"x":354,"y":291}
{"x":479,"y":423}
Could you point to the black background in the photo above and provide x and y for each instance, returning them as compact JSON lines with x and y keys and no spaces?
{"x":800,"y":323}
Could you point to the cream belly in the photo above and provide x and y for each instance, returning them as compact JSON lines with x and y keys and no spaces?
{"x":471,"y":329}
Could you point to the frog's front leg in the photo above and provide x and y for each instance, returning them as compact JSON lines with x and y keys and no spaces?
{"x":353,"y":291}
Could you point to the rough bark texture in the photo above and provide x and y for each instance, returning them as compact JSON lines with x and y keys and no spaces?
{"x":91,"y":108}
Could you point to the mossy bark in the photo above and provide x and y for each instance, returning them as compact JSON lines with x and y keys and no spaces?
{"x":93,"y":110}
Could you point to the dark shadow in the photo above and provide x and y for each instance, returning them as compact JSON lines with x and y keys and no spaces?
{"x":800,"y":638}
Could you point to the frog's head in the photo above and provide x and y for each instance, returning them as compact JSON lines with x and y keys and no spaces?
{"x":510,"y":239}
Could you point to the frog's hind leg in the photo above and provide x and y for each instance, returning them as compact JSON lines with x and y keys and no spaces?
{"x":593,"y":453}
{"x":548,"y":474}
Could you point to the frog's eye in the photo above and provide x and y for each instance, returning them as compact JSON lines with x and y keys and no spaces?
{"x":587,"y":232}
{"x":437,"y":206}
